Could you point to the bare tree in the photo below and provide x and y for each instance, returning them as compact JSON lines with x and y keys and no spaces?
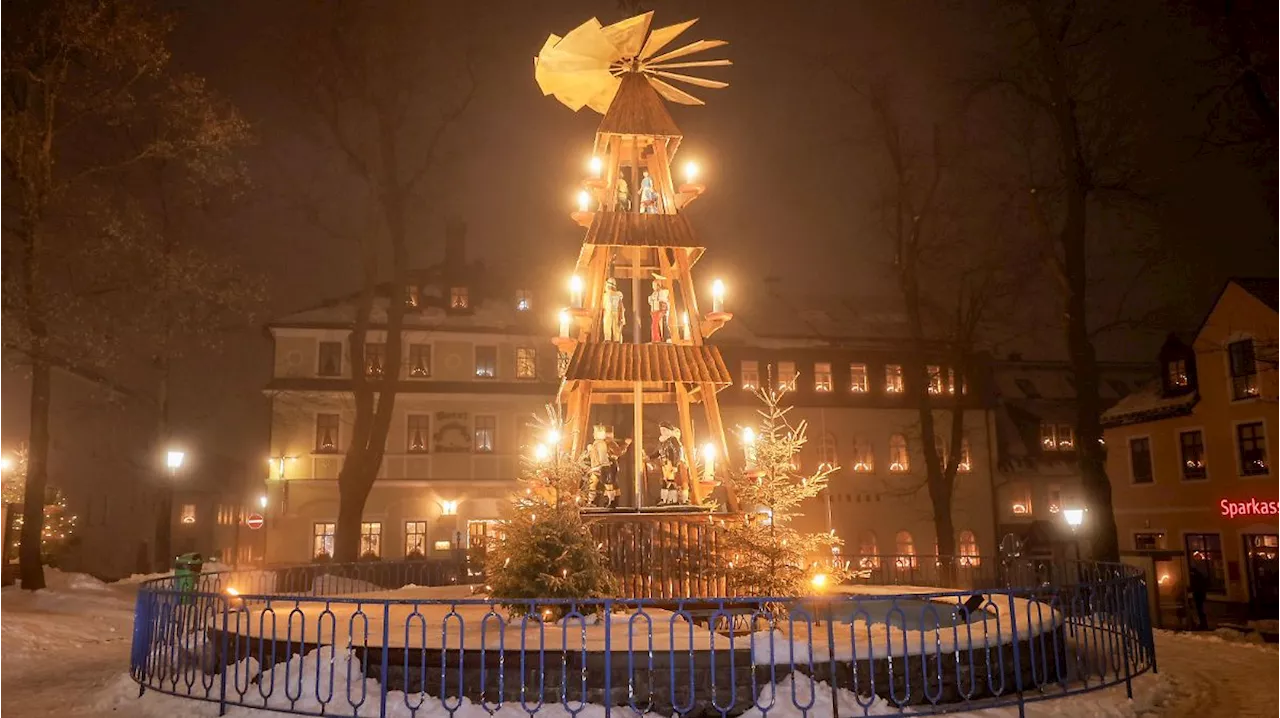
{"x":373,"y":79}
{"x":81,"y":77}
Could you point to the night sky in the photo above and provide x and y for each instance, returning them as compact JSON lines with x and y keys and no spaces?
{"x":784,"y":153}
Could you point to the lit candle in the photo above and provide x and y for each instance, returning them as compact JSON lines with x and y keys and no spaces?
{"x":685,"y":328}
{"x":690,"y":172}
{"x":564,"y":323}
{"x":584,"y":201}
{"x":597,"y":167}
{"x":717,"y":296}
{"x":575,"y":291}
{"x":708,"y":462}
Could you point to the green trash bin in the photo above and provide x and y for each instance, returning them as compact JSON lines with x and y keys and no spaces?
{"x":186,"y":571}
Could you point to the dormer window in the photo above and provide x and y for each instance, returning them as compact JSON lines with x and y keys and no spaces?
{"x":458,"y":298}
{"x":524,"y":300}
{"x":1176,"y":372}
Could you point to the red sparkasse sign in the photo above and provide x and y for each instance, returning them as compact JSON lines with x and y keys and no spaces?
{"x":254,"y":521}
{"x":1252,"y":507}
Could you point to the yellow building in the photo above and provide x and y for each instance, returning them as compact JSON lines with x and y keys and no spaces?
{"x":1191,"y":457}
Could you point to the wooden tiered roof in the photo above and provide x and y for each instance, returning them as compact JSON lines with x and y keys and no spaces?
{"x":638,"y":109}
{"x":648,"y":364}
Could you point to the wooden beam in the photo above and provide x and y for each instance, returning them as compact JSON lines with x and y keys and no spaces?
{"x":690,"y":297}
{"x":689,"y":440}
{"x":715,"y":424}
{"x":661,"y":169}
{"x":637,"y":446}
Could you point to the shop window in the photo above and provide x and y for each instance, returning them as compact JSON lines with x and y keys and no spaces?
{"x":1252,"y":444}
{"x":322,"y":540}
{"x":526,"y":363}
{"x":868,"y":551}
{"x":486,"y":362}
{"x":1191,"y":445}
{"x":486,"y":434}
{"x":786,"y":375}
{"x":893,"y":379}
{"x":419,"y":433}
{"x":899,"y":461}
{"x":750,"y":378}
{"x":967,"y":548}
{"x":905,"y":547}
{"x":1204,"y":554}
{"x":822,"y":376}
{"x":1140,"y":460}
{"x":1244,"y":370}
{"x":858,"y":378}
{"x":330,"y":359}
{"x":415,"y":539}
{"x":864,"y":460}
{"x":419,"y":361}
{"x":371,"y":539}
{"x":326,"y":433}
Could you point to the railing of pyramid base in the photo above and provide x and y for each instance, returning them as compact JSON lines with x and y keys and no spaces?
{"x":421,"y":651}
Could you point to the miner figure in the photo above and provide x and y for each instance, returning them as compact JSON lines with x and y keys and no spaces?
{"x":671,"y":459}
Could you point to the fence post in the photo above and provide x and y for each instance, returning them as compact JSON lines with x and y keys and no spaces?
{"x":831,"y":654}
{"x":608,"y":657}
{"x":1017,"y":654}
{"x":386,"y":640}
{"x":222,"y":691}
{"x":1126,"y":614}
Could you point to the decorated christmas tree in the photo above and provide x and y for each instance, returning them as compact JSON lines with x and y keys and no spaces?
{"x":59,"y":522}
{"x":544,"y":548}
{"x":764,"y":553}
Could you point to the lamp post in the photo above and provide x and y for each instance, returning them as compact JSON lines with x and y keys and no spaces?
{"x":173,"y":461}
{"x":1074,"y":519}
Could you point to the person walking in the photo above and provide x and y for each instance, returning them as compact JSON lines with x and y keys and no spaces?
{"x":1199,"y":586}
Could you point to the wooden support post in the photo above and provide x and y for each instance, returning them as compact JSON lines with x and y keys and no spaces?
{"x":582,"y":426}
{"x":715,"y":425}
{"x":637,"y":446}
{"x":690,"y":296}
{"x":661,"y":166}
{"x":689,"y":440}
{"x":636,"y":298}
{"x":666,"y":270}
{"x":612,"y":165}
{"x":635,"y":174}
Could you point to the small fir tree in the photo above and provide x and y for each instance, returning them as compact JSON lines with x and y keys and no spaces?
{"x":763,"y":554}
{"x":59,"y":528}
{"x":544,"y":548}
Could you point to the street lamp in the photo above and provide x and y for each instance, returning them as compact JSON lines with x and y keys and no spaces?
{"x":1073,"y":517}
{"x":5,"y":464}
{"x":173,"y":459}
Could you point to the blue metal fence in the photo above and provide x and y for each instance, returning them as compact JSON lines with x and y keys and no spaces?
{"x":355,"y":643}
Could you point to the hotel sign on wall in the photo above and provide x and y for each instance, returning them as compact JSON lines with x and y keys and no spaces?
{"x":1252,"y":507}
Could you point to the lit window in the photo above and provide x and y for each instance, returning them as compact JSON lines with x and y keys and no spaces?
{"x":375,"y":359}
{"x":906,"y":550}
{"x":526,"y":363}
{"x":1055,"y":499}
{"x":858,"y":378}
{"x":486,"y":433}
{"x":864,"y":460}
{"x":827,"y":450}
{"x":893,"y":378}
{"x":1020,"y":500}
{"x":899,"y":462}
{"x":1049,"y":437}
{"x":486,"y":362}
{"x":371,"y":539}
{"x":188,"y":513}
{"x":1191,"y":444}
{"x":524,"y":300}
{"x":1244,"y":371}
{"x":415,"y":539}
{"x":822,"y":376}
{"x":966,"y":459}
{"x":786,"y":375}
{"x":1140,"y":460}
{"x":951,"y":381}
{"x":330,"y":359}
{"x":1177,"y":373}
{"x":868,"y":551}
{"x":1066,"y":437}
{"x":322,"y":540}
{"x":935,"y":378}
{"x":1252,"y":443}
{"x":967,"y":547}
{"x":442,"y":545}
{"x":750,"y":375}
{"x":326,"y":433}
{"x":419,"y":361}
{"x":458,"y":298}
{"x":1204,"y":553}
{"x":419,"y":433}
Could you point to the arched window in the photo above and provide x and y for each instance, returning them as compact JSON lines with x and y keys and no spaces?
{"x":906,"y":550}
{"x":899,"y":462}
{"x":827,"y":450}
{"x":864,"y":459}
{"x":868,"y":552}
{"x":967,"y":548}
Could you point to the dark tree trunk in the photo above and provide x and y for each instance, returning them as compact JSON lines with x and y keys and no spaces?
{"x":30,"y":564}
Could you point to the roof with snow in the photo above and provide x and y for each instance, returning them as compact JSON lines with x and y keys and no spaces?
{"x":1147,"y":404}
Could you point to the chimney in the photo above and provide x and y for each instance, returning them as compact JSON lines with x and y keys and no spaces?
{"x":455,"y":243}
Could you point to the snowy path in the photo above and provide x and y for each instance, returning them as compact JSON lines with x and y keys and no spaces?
{"x":65,"y":653}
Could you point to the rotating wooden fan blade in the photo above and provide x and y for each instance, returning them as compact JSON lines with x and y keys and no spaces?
{"x":628,"y":35}
{"x":689,"y":49}
{"x":673,"y":93}
{"x":696,"y":63}
{"x":699,"y":81}
{"x":659,"y":38}
{"x":588,"y":40}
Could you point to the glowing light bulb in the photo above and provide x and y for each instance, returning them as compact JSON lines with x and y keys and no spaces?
{"x":690,"y":172}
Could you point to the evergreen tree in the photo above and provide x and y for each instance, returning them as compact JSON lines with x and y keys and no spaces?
{"x":763,"y":554}
{"x":59,"y":528}
{"x":544,"y":548}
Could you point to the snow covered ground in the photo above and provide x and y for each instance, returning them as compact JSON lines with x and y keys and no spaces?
{"x":65,"y":652}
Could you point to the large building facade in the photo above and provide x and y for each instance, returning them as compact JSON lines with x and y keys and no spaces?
{"x":1192,"y":457}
